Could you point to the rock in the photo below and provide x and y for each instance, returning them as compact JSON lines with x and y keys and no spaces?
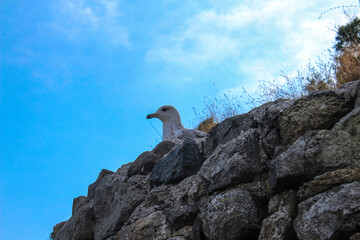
{"x":78,"y":203}
{"x":183,"y":216}
{"x":114,"y":201}
{"x":143,"y":164}
{"x":317,"y":152}
{"x":328,"y":180}
{"x":223,"y":210}
{"x":78,"y":227}
{"x":147,"y":160}
{"x":92,"y":187}
{"x":153,"y":226}
{"x":278,"y":226}
{"x":185,"y":161}
{"x":331,"y":214}
{"x":356,"y":236}
{"x":264,"y":118}
{"x":197,"y":231}
{"x":56,"y":229}
{"x":284,"y":170}
{"x":318,"y":111}
{"x":237,"y":161}
{"x":290,"y":169}
{"x":163,"y":148}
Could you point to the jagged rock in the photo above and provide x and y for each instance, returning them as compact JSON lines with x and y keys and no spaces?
{"x":237,"y":161}
{"x":264,"y":118}
{"x":282,"y":210}
{"x":225,"y":209}
{"x":185,"y":161}
{"x":317,"y":152}
{"x":163,"y":148}
{"x":330,"y":215}
{"x":328,"y":180}
{"x":147,"y":160}
{"x":78,"y":203}
{"x":153,"y":226}
{"x":319,"y":110}
{"x":78,"y":227}
{"x":183,"y":216}
{"x":114,"y":201}
{"x":92,"y":187}
{"x":246,"y":186}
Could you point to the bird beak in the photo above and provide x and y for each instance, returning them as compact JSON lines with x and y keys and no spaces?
{"x":153,"y":115}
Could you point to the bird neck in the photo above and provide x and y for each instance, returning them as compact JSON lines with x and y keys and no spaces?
{"x":170,"y":128}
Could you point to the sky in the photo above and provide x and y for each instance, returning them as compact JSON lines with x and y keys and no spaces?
{"x":78,"y":78}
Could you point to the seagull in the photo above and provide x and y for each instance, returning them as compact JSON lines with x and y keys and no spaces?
{"x":173,"y":130}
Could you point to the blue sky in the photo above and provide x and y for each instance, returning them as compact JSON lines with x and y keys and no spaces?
{"x":78,"y":78}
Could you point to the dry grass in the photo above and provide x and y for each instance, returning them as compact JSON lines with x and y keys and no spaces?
{"x":348,"y":65}
{"x":206,"y":125}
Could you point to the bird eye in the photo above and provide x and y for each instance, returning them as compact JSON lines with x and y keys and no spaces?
{"x":164,"y":109}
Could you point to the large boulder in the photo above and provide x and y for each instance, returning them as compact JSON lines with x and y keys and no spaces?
{"x":147,"y":160}
{"x":114,"y":201}
{"x":282,"y":210}
{"x":333,"y":214}
{"x":264,"y":118}
{"x":319,"y":110}
{"x":232,"y":214}
{"x":184,"y":161}
{"x":78,"y":227}
{"x":317,"y":152}
{"x":237,"y":161}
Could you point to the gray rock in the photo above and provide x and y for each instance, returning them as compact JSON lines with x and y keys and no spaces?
{"x":317,"y":152}
{"x":78,"y":203}
{"x":114,"y":201}
{"x":153,"y":226}
{"x":328,"y":180}
{"x":143,"y":164}
{"x":92,"y":187}
{"x":225,"y":209}
{"x":147,"y":160}
{"x":318,"y":111}
{"x":278,"y":226}
{"x":237,"y":161}
{"x":330,"y":215}
{"x":183,"y":215}
{"x":184,"y":161}
{"x":264,"y":118}
{"x":78,"y":227}
{"x":163,"y":148}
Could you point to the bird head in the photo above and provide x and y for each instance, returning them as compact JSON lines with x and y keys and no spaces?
{"x":165,"y":113}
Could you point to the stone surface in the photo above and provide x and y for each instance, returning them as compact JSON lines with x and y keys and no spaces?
{"x":331,"y":214}
{"x":282,"y":210}
{"x":264,"y":118}
{"x":328,"y":180}
{"x":237,"y":161}
{"x":223,"y":210}
{"x":78,"y":203}
{"x":284,"y":170}
{"x":320,"y":110}
{"x":114,"y":201}
{"x":78,"y":227}
{"x":184,"y":161}
{"x":92,"y":187}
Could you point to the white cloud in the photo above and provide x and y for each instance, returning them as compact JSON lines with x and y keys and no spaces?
{"x":274,"y":33}
{"x":78,"y":18}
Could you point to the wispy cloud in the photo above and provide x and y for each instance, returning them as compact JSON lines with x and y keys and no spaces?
{"x":102,"y":19}
{"x":268,"y":33}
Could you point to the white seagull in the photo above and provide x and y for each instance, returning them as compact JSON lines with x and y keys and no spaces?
{"x":173,"y":130}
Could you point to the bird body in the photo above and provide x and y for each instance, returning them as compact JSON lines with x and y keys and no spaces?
{"x":173,"y":130}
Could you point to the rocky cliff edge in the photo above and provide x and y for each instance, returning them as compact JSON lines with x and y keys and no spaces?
{"x":285,"y":170}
